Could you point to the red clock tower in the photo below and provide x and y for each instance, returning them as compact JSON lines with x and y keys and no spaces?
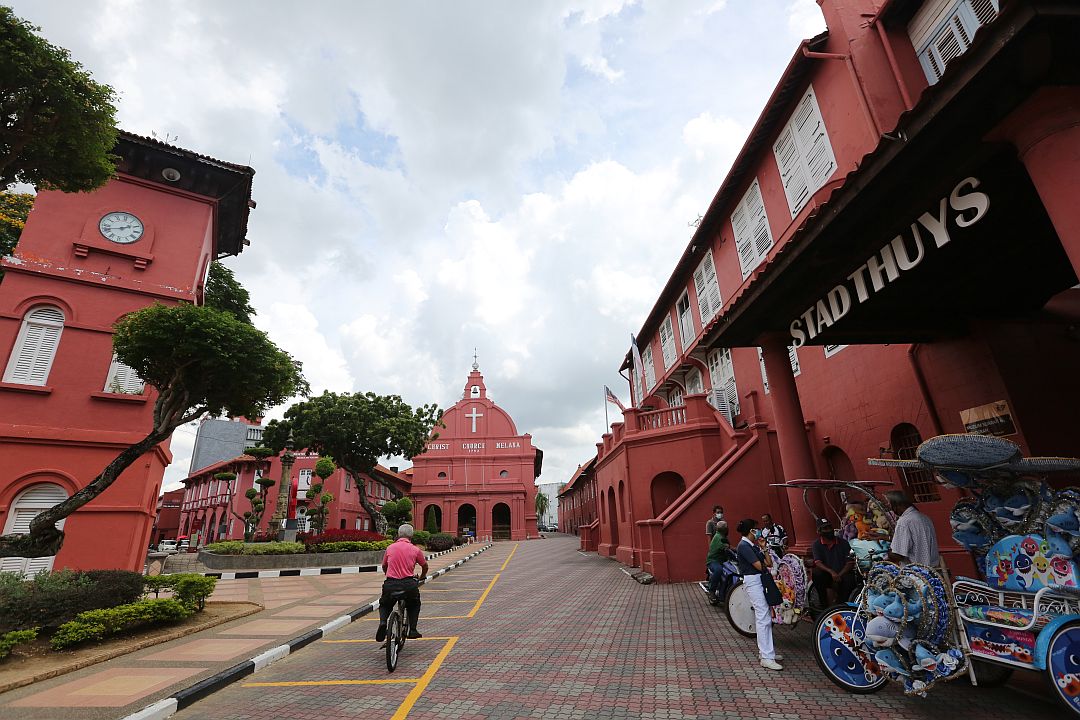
{"x":67,"y":406}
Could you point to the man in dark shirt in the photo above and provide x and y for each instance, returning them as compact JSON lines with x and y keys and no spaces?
{"x":834,"y":568}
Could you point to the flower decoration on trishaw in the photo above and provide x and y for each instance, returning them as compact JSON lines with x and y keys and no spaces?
{"x":1023,"y":612}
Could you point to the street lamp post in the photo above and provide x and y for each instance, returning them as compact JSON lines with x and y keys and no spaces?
{"x":284,"y":488}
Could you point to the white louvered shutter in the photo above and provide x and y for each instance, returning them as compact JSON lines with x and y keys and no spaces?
{"x":753,"y":238}
{"x":813,"y":140}
{"x":744,"y":240}
{"x":764,"y":374}
{"x":27,"y":506}
{"x":650,"y":369}
{"x":793,"y":356}
{"x":941,"y":32}
{"x":759,"y":222}
{"x":35,"y":347}
{"x":667,"y":342}
{"x":725,"y":394}
{"x":123,"y":379}
{"x":694,"y":385}
{"x":796,"y":186}
{"x":686,"y":323}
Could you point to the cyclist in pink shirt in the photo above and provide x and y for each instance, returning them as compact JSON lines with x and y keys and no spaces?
{"x":399,"y":563}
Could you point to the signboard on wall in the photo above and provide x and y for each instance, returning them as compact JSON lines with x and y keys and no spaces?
{"x":991,"y":419}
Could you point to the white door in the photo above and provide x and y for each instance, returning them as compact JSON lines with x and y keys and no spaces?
{"x":28,"y":505}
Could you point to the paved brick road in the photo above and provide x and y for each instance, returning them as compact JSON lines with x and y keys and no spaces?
{"x":566,"y":635}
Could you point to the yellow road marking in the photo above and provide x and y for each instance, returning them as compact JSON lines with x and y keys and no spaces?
{"x":426,"y":637}
{"x":482,"y":597}
{"x":301,"y":683}
{"x":508,"y":559}
{"x":416,"y":692}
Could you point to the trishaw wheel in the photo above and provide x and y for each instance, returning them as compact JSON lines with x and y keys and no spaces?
{"x":740,"y":613}
{"x":1063,"y":665}
{"x":990,"y":675}
{"x":838,"y":649}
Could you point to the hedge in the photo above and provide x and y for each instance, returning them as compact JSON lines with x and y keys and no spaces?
{"x":13,"y":638}
{"x":440,"y":542}
{"x":191,"y":589}
{"x":351,"y":546}
{"x":99,"y":624}
{"x":235,"y":547}
{"x":336,"y":535}
{"x":421,"y":537}
{"x":50,"y":599}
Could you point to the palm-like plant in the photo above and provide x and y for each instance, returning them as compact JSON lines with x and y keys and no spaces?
{"x":542,"y":504}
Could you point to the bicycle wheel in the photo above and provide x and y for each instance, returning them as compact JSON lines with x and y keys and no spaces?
{"x":394,"y":637}
{"x":839,"y":652}
{"x":740,"y":613}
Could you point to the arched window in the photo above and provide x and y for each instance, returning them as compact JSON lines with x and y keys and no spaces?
{"x":35,"y":347}
{"x":905,"y":439}
{"x":504,"y":473}
{"x":28,"y":505}
{"x":123,"y":379}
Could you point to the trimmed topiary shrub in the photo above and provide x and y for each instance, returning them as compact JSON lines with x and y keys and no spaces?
{"x":421,"y":537}
{"x":192,"y":590}
{"x":50,"y":599}
{"x":99,"y":624}
{"x":351,"y":546}
{"x":440,"y":542}
{"x":9,"y":640}
{"x":227,"y":547}
{"x":334,"y":535}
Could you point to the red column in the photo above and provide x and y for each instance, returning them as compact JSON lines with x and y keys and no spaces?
{"x":795,"y":453}
{"x":1046,"y":133}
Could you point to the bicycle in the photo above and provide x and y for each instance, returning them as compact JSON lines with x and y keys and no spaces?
{"x":395,"y":630}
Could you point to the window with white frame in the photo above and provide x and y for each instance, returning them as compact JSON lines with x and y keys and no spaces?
{"x":35,"y":347}
{"x":793,"y":358}
{"x":667,"y":342}
{"x":831,"y":350}
{"x":686,"y":320}
{"x":708,"y":290}
{"x":753,"y":238}
{"x":942,"y":31}
{"x":803,"y":153}
{"x":725,"y":395}
{"x":650,"y":369}
{"x":303,"y":482}
{"x":27,"y":505}
{"x":675,"y":397}
{"x":123,"y":379}
{"x":694,"y":384}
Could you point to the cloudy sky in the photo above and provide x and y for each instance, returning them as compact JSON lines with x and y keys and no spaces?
{"x":431,"y":177}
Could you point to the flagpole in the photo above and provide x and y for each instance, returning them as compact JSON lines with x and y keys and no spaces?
{"x":607,"y":423}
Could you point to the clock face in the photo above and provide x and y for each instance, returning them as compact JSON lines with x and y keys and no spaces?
{"x":121,"y":227}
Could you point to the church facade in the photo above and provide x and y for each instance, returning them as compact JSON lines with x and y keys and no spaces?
{"x":477,"y":475}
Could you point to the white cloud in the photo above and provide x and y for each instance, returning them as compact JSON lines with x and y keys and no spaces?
{"x":804,"y":18}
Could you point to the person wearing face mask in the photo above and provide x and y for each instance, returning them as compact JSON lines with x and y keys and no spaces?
{"x":834,"y":568}
{"x":710,"y":530}
{"x":753,"y":560}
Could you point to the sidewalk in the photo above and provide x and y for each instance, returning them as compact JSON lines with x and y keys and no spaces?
{"x":296,"y":611}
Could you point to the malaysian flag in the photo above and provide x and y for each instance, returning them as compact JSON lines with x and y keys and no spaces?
{"x":610,"y":396}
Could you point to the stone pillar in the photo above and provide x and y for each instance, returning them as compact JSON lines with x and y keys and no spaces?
{"x":1046,"y":133}
{"x":795,"y":454}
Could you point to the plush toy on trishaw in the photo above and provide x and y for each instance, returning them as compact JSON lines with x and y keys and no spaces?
{"x":865,"y":523}
{"x":912,"y":626}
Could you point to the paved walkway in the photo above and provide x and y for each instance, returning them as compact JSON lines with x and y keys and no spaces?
{"x":118,"y":687}
{"x":538,"y":630}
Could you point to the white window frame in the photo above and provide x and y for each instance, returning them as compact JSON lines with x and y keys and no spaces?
{"x":708,"y":289}
{"x":750,"y":223}
{"x":725,"y":393}
{"x":122,"y":379}
{"x":942,"y":31}
{"x":793,"y":358}
{"x":695,"y":384}
{"x":831,"y":350}
{"x":675,"y":397}
{"x":803,"y":152}
{"x":27,"y":505}
{"x":35,"y":348}
{"x":650,"y":367}
{"x":303,"y":482}
{"x":667,"y":342}
{"x":686,"y":320}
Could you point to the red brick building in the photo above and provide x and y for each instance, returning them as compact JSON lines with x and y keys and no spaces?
{"x":577,"y":500}
{"x":167,"y":517}
{"x":213,"y":509}
{"x":67,"y":407}
{"x":893,"y":255}
{"x":478,"y":473}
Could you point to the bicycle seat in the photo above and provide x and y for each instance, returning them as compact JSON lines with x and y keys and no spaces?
{"x":397,"y":595}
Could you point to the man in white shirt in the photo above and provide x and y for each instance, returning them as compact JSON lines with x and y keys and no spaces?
{"x":914,"y":540}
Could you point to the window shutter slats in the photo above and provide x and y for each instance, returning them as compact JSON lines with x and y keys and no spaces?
{"x":35,"y":348}
{"x":814,"y":142}
{"x":667,"y":342}
{"x":123,"y":379}
{"x":650,"y":370}
{"x":796,"y":187}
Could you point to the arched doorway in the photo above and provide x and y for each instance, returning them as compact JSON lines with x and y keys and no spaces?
{"x":666,"y":488}
{"x":466,"y":519}
{"x":905,"y":439}
{"x":433,"y":518}
{"x":613,"y":517}
{"x":500,"y":522}
{"x":839,"y":465}
{"x":28,"y":504}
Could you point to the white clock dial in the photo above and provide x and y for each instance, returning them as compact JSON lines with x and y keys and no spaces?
{"x":121,"y":227}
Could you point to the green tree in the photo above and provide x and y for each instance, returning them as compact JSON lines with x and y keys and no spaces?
{"x":318,"y":501}
{"x":224,"y":292}
{"x":430,"y":522}
{"x":57,"y":125}
{"x":200,"y":360}
{"x":357,"y":429}
{"x":542,"y":503}
{"x":396,"y":512}
{"x":14,"y":209}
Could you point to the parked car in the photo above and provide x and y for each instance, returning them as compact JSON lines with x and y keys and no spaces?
{"x":168,"y":546}
{"x":183,"y":547}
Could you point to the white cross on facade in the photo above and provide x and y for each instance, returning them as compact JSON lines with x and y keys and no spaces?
{"x":473,"y":415}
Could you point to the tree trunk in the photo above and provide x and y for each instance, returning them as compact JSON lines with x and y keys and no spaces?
{"x":44,"y":538}
{"x":378,"y":520}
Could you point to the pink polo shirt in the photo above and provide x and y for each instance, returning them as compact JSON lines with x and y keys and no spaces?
{"x":401,"y":558}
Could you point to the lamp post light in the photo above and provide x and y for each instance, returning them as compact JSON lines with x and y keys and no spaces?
{"x":284,"y":488}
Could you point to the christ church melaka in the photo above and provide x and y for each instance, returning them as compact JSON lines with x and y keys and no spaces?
{"x":477,"y":475}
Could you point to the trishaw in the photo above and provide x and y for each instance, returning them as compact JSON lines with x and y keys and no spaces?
{"x":910,"y":624}
{"x":864,"y":523}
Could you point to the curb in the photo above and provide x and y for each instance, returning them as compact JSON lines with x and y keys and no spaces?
{"x":305,"y":572}
{"x":183,"y":698}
